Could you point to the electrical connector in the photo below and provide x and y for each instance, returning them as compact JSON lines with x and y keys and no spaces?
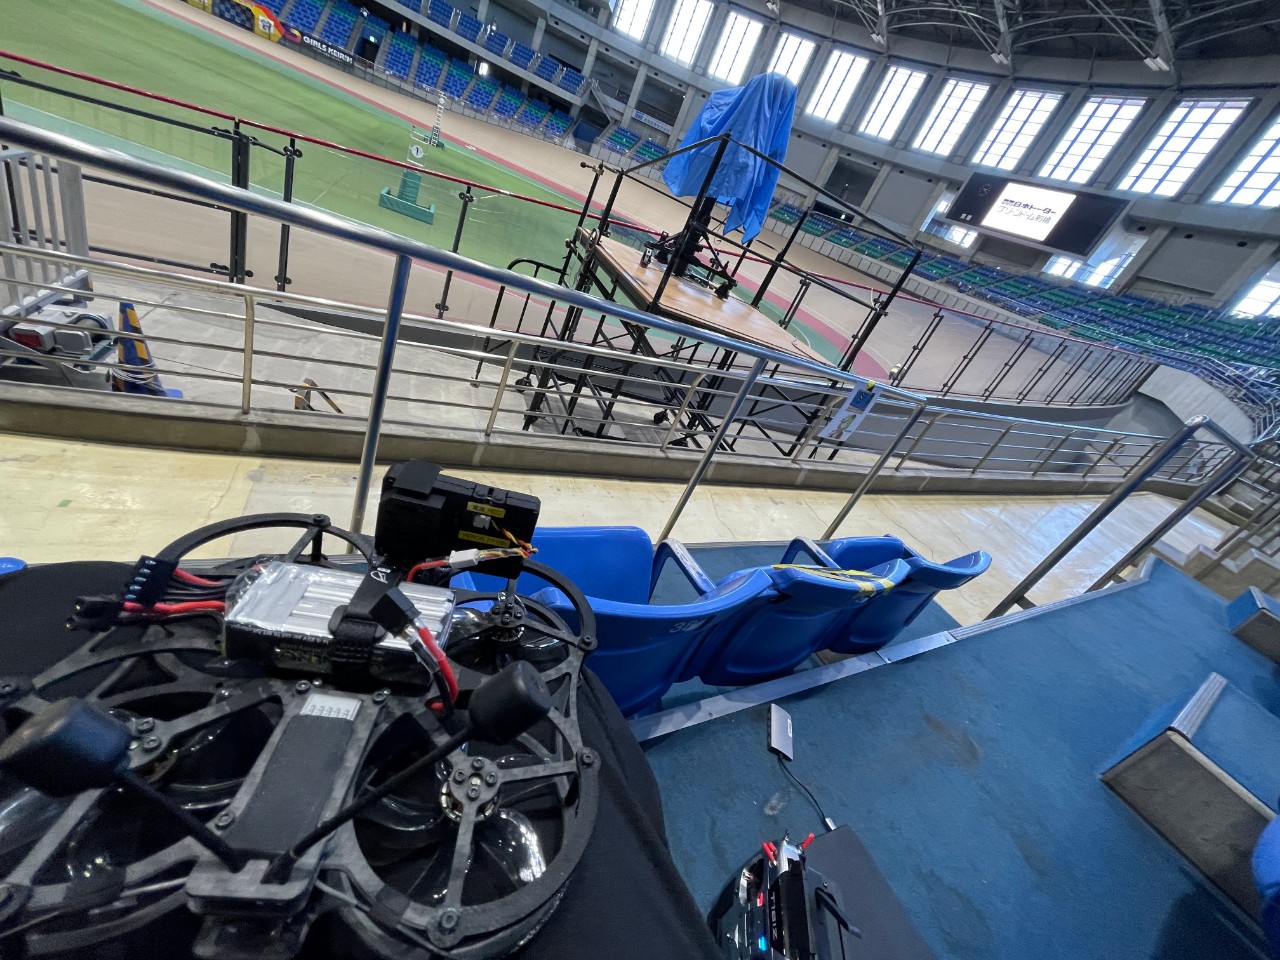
{"x":95,"y":613}
{"x":150,"y":580}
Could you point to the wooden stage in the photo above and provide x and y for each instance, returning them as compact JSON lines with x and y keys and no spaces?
{"x":690,"y":302}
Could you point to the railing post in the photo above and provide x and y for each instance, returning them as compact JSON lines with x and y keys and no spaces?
{"x":1162,"y":456}
{"x":502,"y":386}
{"x":467,"y":199}
{"x":874,"y":472}
{"x":237,"y":268}
{"x":868,"y":328}
{"x":756,"y":369}
{"x":291,"y":153}
{"x":381,"y":383}
{"x":916,"y":442}
{"x":1048,"y":458}
{"x":990,"y":450}
{"x":1229,"y":472}
{"x":246,"y":374}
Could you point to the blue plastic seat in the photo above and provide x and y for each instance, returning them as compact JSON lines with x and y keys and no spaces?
{"x":643,"y":647}
{"x":773,"y":638}
{"x":872,"y":626}
{"x":1266,"y":875}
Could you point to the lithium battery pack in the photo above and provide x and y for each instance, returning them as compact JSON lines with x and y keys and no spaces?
{"x":279,"y":614}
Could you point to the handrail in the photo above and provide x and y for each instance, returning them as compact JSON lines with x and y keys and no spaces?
{"x":26,"y":137}
{"x":29,"y":137}
{"x":1159,"y":457}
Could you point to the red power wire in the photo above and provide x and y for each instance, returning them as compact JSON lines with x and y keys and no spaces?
{"x":192,"y":579}
{"x":173,"y":609}
{"x":446,"y":671}
{"x":417,"y":568}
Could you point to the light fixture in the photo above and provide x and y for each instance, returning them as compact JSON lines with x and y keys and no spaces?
{"x":482,"y":68}
{"x":1156,"y":63}
{"x":999,"y":58}
{"x":876,"y":38}
{"x":772,"y":5}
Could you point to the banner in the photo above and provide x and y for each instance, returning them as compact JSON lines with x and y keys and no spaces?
{"x":329,"y":50}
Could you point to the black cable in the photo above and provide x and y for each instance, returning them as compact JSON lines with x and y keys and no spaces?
{"x":827,"y":822}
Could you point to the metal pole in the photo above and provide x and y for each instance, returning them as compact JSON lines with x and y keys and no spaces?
{"x":291,"y":153}
{"x":237,"y":266}
{"x":246,"y":376}
{"x":1162,"y":455}
{"x":868,"y":328}
{"x":381,"y":383}
{"x":502,"y":386}
{"x":873,"y":472}
{"x":686,"y":238}
{"x":776,"y":262}
{"x":756,"y":369}
{"x":1229,"y":473}
{"x":467,"y":200}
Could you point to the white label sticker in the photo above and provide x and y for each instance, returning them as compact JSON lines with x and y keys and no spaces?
{"x":327,"y":705}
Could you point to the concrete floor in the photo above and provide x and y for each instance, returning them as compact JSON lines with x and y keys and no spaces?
{"x":70,"y":500}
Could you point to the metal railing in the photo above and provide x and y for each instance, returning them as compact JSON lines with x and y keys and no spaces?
{"x":1007,"y":363}
{"x":754,"y":407}
{"x":1235,"y":461}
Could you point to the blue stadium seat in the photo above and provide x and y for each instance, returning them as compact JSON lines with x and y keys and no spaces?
{"x":572,"y":80}
{"x":468,"y":26}
{"x":457,"y":79}
{"x":509,"y":101}
{"x":874,"y":625}
{"x":480,"y":97}
{"x":557,"y":124}
{"x":496,"y":42}
{"x":643,"y":648}
{"x":532,"y":114}
{"x":521,"y":55}
{"x":400,"y":56}
{"x":1266,"y":874}
{"x":440,"y":12}
{"x":304,"y":14}
{"x":547,"y":68}
{"x":339,"y":25}
{"x":772,"y":639}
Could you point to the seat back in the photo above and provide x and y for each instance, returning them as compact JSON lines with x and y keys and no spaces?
{"x":644,"y":649}
{"x":609,"y":563}
{"x":875,"y":625}
{"x":773,"y":638}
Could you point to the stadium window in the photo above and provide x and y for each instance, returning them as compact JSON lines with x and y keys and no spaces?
{"x":733,"y":51}
{"x":1263,"y":299}
{"x":1093,"y":134}
{"x":632,"y":17}
{"x":892,"y":102}
{"x":1256,"y":181}
{"x":951,"y":114}
{"x":835,"y":88}
{"x":1183,"y":142}
{"x":1020,"y":121}
{"x":688,"y":23}
{"x":791,"y":56}
{"x":951,"y":232}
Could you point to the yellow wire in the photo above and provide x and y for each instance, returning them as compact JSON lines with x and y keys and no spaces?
{"x":842,"y":575}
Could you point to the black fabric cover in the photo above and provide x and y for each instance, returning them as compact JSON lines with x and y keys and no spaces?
{"x":624,"y":902}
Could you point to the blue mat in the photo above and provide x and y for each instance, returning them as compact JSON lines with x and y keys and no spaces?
{"x":971,"y":774}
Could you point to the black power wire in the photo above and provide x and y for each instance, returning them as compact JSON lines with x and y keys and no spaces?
{"x":826,"y":821}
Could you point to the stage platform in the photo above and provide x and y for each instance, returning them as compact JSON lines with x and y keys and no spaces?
{"x":689,"y":302}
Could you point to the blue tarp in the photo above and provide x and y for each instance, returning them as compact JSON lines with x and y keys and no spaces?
{"x":758,"y":115}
